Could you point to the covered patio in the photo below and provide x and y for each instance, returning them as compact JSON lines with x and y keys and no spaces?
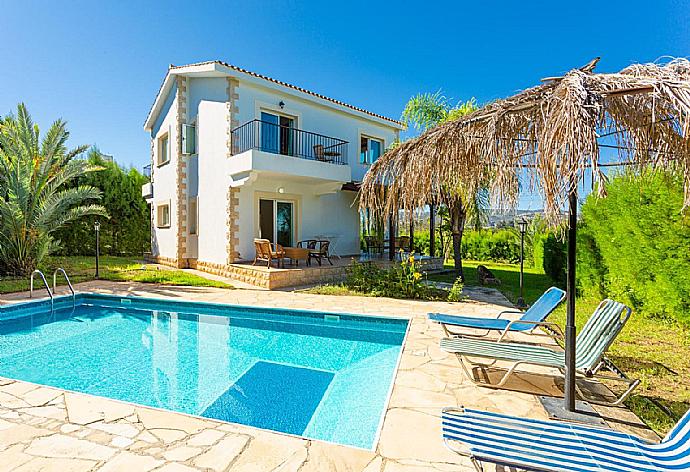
{"x":289,"y":274}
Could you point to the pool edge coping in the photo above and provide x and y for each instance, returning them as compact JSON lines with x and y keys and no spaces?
{"x":81,"y":295}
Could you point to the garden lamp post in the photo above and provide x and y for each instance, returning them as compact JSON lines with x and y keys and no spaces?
{"x":97,"y":228}
{"x":522,"y":226}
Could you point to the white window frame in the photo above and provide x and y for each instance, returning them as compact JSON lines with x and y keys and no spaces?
{"x":159,"y":208}
{"x":367,"y":161}
{"x":159,"y":146}
{"x":185,"y":136}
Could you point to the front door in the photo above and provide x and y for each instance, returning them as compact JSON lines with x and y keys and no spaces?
{"x":277,"y":221}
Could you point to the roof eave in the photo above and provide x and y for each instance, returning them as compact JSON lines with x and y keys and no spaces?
{"x":222,"y":68}
{"x":299,"y":92}
{"x":201,"y":68}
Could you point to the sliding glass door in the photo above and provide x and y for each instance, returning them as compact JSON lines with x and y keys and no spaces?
{"x":284,"y":223}
{"x":266,"y":220}
{"x":277,"y":134}
{"x":277,"y":221}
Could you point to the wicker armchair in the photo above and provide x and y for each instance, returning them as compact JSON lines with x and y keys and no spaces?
{"x":321,"y":252}
{"x":307,"y":243}
{"x":403,"y":242}
{"x":268,"y":252}
{"x":374,"y":245}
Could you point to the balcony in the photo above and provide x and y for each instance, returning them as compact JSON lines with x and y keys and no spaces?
{"x":288,"y":141}
{"x":147,"y":188}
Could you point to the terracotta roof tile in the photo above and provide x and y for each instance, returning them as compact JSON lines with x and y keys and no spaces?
{"x":294,"y":87}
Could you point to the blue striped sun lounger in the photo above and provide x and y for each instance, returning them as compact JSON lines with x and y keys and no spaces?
{"x":530,"y":320}
{"x":591,"y":344}
{"x":529,"y":444}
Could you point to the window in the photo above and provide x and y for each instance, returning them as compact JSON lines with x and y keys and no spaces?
{"x":163,"y":216}
{"x":193,"y":215}
{"x":163,"y":149}
{"x":188,"y":139}
{"x":369,"y":150}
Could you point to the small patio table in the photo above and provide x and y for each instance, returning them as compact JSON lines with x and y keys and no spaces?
{"x":333,"y":239}
{"x":296,"y":254}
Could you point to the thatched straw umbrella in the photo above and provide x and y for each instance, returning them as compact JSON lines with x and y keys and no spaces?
{"x":554,"y":130}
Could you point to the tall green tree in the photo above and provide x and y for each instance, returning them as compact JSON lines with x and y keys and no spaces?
{"x":425,"y":111}
{"x":36,"y":198}
{"x":128,"y":230}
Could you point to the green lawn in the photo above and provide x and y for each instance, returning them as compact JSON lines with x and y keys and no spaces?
{"x":656,"y":351}
{"x":81,"y":269}
{"x":536,"y":282}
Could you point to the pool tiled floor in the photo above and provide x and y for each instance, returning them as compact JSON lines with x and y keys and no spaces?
{"x":48,"y":429}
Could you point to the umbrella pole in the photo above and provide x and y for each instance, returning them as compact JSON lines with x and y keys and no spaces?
{"x":569,"y":409}
{"x":570,"y":330}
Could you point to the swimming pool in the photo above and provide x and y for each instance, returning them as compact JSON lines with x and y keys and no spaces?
{"x":317,"y":375}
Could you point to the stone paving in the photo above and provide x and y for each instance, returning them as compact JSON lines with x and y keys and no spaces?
{"x":48,"y":429}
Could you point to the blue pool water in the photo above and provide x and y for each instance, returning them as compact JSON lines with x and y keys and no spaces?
{"x":305,"y":373}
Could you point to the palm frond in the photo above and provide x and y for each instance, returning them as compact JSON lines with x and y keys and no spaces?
{"x":426,"y":110}
{"x":35,"y":197}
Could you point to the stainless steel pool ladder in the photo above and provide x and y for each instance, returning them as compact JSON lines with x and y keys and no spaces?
{"x":45,"y":283}
{"x":69,"y":284}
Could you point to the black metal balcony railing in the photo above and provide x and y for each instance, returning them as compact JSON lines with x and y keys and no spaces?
{"x":277,"y":139}
{"x":146,"y":171}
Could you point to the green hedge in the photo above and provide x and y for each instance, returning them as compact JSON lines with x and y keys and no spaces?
{"x":502,"y":245}
{"x":128,"y":229}
{"x":492,"y":245}
{"x":555,"y":258}
{"x":634,"y":245}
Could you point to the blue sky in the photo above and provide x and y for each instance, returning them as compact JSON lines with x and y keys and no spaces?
{"x":98,"y":65}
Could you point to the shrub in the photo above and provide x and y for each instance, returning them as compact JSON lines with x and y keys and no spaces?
{"x":502,"y":245}
{"x":422,"y":242}
{"x":399,"y":281}
{"x":590,"y":271}
{"x":635,"y":244}
{"x":455,"y":293}
{"x":494,"y":245}
{"x":555,"y":258}
{"x":40,"y":191}
{"x":128,"y":230}
{"x":538,"y":249}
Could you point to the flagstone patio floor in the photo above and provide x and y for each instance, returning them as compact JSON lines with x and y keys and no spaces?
{"x":48,"y":429}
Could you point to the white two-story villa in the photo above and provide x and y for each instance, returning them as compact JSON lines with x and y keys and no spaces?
{"x":236,"y":155}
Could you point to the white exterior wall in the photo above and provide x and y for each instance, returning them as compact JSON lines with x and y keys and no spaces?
{"x":210,"y":89}
{"x":322,"y":208}
{"x":213,"y":182}
{"x":329,"y":214}
{"x":313,"y":117}
{"x":340,"y":217}
{"x":165,"y":180}
{"x":192,"y":192}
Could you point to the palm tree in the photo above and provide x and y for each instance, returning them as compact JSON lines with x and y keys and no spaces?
{"x":427,"y":110}
{"x":34,"y":198}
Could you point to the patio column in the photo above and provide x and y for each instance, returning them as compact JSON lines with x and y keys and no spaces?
{"x":391,"y":237}
{"x":432,"y":229}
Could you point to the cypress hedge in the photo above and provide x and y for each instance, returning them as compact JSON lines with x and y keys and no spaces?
{"x":634,"y":245}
